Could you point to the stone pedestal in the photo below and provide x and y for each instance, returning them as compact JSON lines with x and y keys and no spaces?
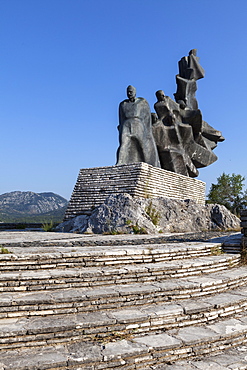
{"x":243,"y":224}
{"x":140,"y":179}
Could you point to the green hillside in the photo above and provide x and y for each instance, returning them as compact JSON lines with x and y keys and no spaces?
{"x":29,"y":207}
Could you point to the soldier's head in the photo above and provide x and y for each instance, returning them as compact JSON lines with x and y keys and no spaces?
{"x":182,"y":104}
{"x":160,"y":95}
{"x":131,"y":92}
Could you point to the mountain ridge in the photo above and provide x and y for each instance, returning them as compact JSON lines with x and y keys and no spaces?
{"x":28,"y":206}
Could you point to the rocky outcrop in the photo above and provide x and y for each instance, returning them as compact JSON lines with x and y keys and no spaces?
{"x":122,"y":213}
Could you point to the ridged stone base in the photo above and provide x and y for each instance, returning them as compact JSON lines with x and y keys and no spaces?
{"x":140,"y":179}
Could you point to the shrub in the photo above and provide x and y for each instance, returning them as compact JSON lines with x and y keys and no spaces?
{"x":153,"y":214}
{"x":4,"y":250}
{"x":48,"y":226}
{"x":138,"y":230}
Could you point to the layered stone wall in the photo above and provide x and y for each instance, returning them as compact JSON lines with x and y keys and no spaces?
{"x":243,"y":216}
{"x":142,"y":180}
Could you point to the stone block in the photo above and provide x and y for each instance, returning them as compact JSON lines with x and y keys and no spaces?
{"x":114,"y":350}
{"x":196,"y":335}
{"x":140,"y":180}
{"x":159,"y":341}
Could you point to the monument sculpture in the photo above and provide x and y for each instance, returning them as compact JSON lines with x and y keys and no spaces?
{"x":135,"y":131}
{"x":189,"y":72}
{"x":158,"y":155}
{"x":184,"y":141}
{"x":172,"y":137}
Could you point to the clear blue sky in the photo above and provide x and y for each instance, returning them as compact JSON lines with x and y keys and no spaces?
{"x":65,"y":66}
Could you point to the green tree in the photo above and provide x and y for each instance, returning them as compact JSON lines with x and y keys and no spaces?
{"x":229,"y":191}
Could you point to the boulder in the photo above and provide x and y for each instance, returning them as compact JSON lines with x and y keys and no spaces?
{"x":122,"y":213}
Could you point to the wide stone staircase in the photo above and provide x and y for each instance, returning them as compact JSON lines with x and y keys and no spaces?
{"x":122,"y":303}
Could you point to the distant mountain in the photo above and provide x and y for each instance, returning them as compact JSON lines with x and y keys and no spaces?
{"x":19,"y":206}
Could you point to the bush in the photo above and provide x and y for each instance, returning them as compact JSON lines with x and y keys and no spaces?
{"x":153,"y":214}
{"x":4,"y":250}
{"x":48,"y":226}
{"x":229,"y":191}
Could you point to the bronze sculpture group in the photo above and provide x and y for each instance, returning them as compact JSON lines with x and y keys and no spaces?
{"x":175,"y":138}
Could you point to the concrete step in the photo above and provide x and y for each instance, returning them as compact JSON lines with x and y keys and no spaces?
{"x":110,"y":325}
{"x":75,"y":300}
{"x":233,"y":244}
{"x":136,"y":352}
{"x":232,"y":250}
{"x":127,"y":302}
{"x":235,"y":358}
{"x":67,"y":256}
{"x":100,"y":276}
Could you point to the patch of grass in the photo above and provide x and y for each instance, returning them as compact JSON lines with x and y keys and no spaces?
{"x":216,"y":250}
{"x":153,"y":214}
{"x":49,"y":226}
{"x":114,"y":232}
{"x":4,"y":250}
{"x":138,"y":230}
